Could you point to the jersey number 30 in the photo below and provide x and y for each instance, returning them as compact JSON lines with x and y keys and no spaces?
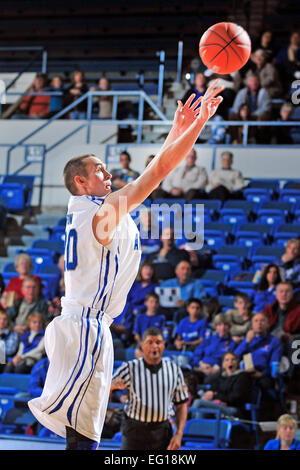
{"x":71,"y":250}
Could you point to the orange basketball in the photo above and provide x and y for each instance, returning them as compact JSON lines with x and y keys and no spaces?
{"x":225,"y":48}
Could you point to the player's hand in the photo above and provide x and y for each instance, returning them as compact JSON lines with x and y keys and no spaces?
{"x":117,"y":384}
{"x":210,"y":101}
{"x":186,"y":114}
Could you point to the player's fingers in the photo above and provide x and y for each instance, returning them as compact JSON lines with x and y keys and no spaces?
{"x":189,"y":100}
{"x":196,"y":103}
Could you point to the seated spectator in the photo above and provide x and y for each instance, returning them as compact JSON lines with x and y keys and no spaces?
{"x":284,"y":313}
{"x":267,"y":73}
{"x":285,"y":437}
{"x":31,"y":348}
{"x":236,"y":133}
{"x":226,"y":183}
{"x":266,"y":43}
{"x":124,"y":175}
{"x":186,"y":181}
{"x":57,"y":102}
{"x":168,"y":256}
{"x":104,"y":102}
{"x":9,"y":337}
{"x":265,"y":293}
{"x":151,"y":318}
{"x":257,"y":98}
{"x":30,"y":302}
{"x":285,"y":134}
{"x":38,"y":377}
{"x":36,"y":106}
{"x":14,"y":288}
{"x":149,"y":232}
{"x":198,"y":88}
{"x":288,"y":60}
{"x":190,"y":331}
{"x":189,"y":287}
{"x":264,"y":348}
{"x":240,"y":317}
{"x":77,"y":89}
{"x":290,"y":262}
{"x":230,"y":388}
{"x":211,"y":350}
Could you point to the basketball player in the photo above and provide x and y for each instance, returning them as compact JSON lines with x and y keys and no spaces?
{"x":102,"y":257}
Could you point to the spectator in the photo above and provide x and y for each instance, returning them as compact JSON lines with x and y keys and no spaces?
{"x":288,"y":60}
{"x":149,"y":232}
{"x":236,"y":133}
{"x":186,"y":181}
{"x":285,"y":437}
{"x":9,"y":337}
{"x":283,"y":135}
{"x":198,"y":88}
{"x":121,"y":177}
{"x":231,"y":83}
{"x":30,"y":302}
{"x":13,"y":290}
{"x":150,"y":319}
{"x":266,"y":43}
{"x":104,"y":101}
{"x":168,"y":256}
{"x":57,"y":102}
{"x":31,"y":348}
{"x":265,"y":293}
{"x":189,"y":287}
{"x":264,"y":348}
{"x":267,"y":73}
{"x":77,"y":89}
{"x":257,"y":98}
{"x":226,"y":183}
{"x":190,"y":331}
{"x":284,"y":313}
{"x":290,"y":262}
{"x":230,"y":388}
{"x":36,"y":106}
{"x":240,"y":317}
{"x":211,"y":350}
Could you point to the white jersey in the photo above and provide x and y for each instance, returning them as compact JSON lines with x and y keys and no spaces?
{"x":78,"y":343}
{"x":96,"y":276}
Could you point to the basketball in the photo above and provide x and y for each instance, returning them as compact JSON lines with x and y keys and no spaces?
{"x":225,"y":48}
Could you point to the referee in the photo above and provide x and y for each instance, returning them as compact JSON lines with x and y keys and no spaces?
{"x":154,"y":384}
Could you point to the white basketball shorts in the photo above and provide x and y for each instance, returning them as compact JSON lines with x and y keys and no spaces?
{"x":79,"y":346}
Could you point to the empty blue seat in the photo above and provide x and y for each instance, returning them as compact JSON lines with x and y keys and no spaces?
{"x":12,"y":196}
{"x":285,"y":232}
{"x":234,"y":216}
{"x":253,"y":234}
{"x":276,"y":210}
{"x":41,"y":257}
{"x":25,"y":182}
{"x":290,"y":195}
{"x":271,"y":184}
{"x":211,"y":206}
{"x":227,"y":263}
{"x":51,"y":245}
{"x":216,"y":234}
{"x":57,"y":233}
{"x":240,"y":286}
{"x":257,"y":195}
{"x":271,"y":251}
{"x":214,"y":279}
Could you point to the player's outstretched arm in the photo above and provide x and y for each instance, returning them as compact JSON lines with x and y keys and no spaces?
{"x":187,"y":125}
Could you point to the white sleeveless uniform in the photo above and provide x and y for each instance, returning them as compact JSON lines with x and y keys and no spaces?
{"x":78,"y":343}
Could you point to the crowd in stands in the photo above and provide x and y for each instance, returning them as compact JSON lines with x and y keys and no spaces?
{"x":260,"y":91}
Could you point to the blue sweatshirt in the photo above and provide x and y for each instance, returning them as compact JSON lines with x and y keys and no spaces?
{"x":191,"y":331}
{"x":212,"y":349}
{"x":264,"y":350}
{"x":274,"y":444}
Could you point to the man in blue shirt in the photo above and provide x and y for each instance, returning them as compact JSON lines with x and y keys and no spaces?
{"x":188,"y":287}
{"x":151,"y":318}
{"x":264,"y":349}
{"x":190,"y":331}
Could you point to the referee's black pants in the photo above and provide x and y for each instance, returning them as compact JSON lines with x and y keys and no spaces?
{"x":137,"y":435}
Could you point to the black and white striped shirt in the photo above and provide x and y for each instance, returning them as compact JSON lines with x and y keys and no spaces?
{"x":152,"y":389}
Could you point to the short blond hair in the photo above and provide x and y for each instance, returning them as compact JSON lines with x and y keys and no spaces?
{"x":285,"y":420}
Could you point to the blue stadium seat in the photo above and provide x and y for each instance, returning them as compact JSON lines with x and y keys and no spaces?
{"x":217,"y":234}
{"x":41,"y":257}
{"x":234,"y":216}
{"x":57,"y":233}
{"x":253,"y":234}
{"x":290,"y":195}
{"x":206,"y":433}
{"x":248,"y":207}
{"x":285,"y":232}
{"x":257,"y":195}
{"x":213,"y":278}
{"x":274,"y":252}
{"x":12,"y":196}
{"x":228,"y":263}
{"x":233,"y":287}
{"x":211,"y":206}
{"x":273,"y":212}
{"x":271,"y":184}
{"x":56,"y":247}
{"x":226,"y":301}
